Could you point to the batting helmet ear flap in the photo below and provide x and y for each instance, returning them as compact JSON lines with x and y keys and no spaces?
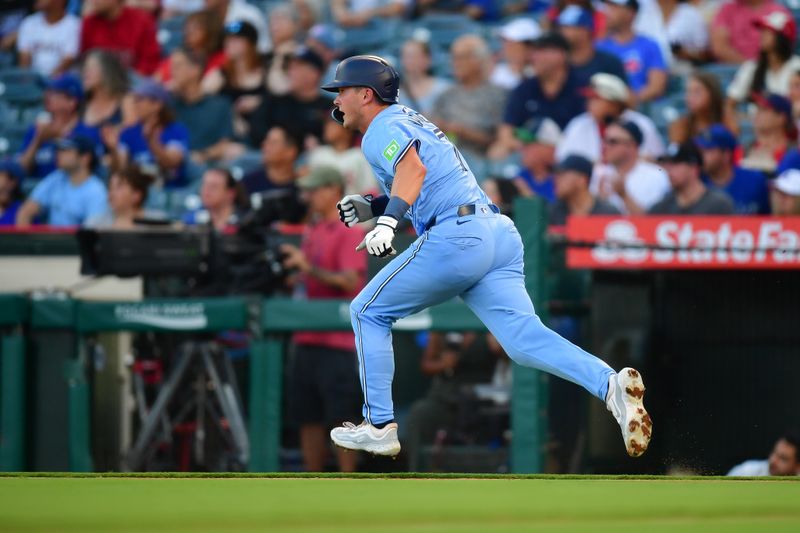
{"x":337,"y":115}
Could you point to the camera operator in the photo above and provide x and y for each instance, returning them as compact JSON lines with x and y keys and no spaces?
{"x":323,"y":376}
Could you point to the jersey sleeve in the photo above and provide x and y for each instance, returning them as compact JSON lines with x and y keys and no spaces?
{"x":390,"y":145}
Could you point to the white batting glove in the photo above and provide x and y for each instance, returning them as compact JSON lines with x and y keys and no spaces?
{"x":355,"y":208}
{"x":378,"y":242}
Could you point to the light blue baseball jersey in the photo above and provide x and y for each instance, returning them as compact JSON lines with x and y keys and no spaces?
{"x":449,"y":182}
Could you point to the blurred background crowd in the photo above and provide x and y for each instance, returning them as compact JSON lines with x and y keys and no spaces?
{"x":115,"y":109}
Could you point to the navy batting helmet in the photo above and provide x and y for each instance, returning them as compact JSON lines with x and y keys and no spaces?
{"x":366,"y":71}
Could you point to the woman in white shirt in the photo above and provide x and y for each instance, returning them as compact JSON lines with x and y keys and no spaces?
{"x":776,"y":63}
{"x":418,"y":88}
{"x":687,"y":32}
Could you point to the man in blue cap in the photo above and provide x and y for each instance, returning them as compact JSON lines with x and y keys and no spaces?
{"x":577,"y":26}
{"x":62,"y":99}
{"x":747,"y":187}
{"x":72,"y":194}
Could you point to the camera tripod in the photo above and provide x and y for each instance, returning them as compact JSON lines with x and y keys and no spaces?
{"x":215,"y":397}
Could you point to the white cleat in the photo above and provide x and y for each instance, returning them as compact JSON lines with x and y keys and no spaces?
{"x":625,"y":401}
{"x":367,"y":437}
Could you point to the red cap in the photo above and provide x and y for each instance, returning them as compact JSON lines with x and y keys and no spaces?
{"x":779,"y":22}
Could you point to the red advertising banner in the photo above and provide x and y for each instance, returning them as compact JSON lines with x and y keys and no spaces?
{"x":686,"y":242}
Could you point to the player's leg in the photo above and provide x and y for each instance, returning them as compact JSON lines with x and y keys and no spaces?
{"x":430,"y":271}
{"x":502,"y":303}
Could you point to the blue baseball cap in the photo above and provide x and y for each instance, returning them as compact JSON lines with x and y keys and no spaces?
{"x":147,"y":88}
{"x":12,"y":168}
{"x":717,"y":136}
{"x":68,"y":84}
{"x":76,"y":141}
{"x":576,"y":163}
{"x":776,"y":102}
{"x":327,"y":35}
{"x":576,"y":16}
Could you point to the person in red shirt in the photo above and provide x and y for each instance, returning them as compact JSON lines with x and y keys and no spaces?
{"x":734,"y":31}
{"x":324,"y":387}
{"x":129,"y":32}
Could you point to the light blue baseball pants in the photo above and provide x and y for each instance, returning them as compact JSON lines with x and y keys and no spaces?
{"x":479,"y":258}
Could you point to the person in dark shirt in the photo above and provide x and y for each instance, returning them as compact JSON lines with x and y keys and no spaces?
{"x":555,"y":93}
{"x":747,"y":188}
{"x":577,"y":26}
{"x":280,"y":150}
{"x":572,"y":177}
{"x":303,"y":109}
{"x":209,"y":118}
{"x":689,"y":195}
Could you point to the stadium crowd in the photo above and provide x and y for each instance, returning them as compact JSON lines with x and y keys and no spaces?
{"x":619,"y":106}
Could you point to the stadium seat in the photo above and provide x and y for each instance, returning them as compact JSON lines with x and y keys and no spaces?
{"x":379,"y":33}
{"x":11,"y":136}
{"x":170,"y":34}
{"x":21,"y":87}
{"x":724,"y":72}
{"x":444,"y":28}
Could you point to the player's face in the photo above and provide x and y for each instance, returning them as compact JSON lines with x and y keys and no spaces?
{"x":783,"y":461}
{"x":349,"y":101}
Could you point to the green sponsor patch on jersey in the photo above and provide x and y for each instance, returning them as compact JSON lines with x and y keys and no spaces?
{"x":390,"y":151}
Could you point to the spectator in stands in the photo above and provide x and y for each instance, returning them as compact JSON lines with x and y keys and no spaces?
{"x":231,"y":11}
{"x":326,"y":41}
{"x":279,"y":151}
{"x":747,"y":188}
{"x":156,"y":141}
{"x":785,"y":196}
{"x":642,"y":57}
{"x":470,"y":111}
{"x":127,"y":194}
{"x":689,"y":195}
{"x":105,"y":81}
{"x":577,"y":26}
{"x":419,"y":89}
{"x":539,"y":138}
{"x":572,"y":177}
{"x":129,"y":32}
{"x":208,"y":118}
{"x":775,"y":132}
{"x":553,"y":93}
{"x":704,"y":107}
{"x":339,"y":151}
{"x":687,"y":31}
{"x":783,"y":461}
{"x":454,"y":362}
{"x":222,"y":197}
{"x":303,"y":109}
{"x":627,"y":181}
{"x":71,"y":194}
{"x":242,"y":78}
{"x":62,"y":99}
{"x":515,"y":38}
{"x":772,"y":71}
{"x":502,"y":193}
{"x":284,"y":30}
{"x":734,"y":35}
{"x":323,"y":382}
{"x":202,"y":35}
{"x":11,"y":175}
{"x":48,"y":40}
{"x":607,"y":101}
{"x":357,"y":13}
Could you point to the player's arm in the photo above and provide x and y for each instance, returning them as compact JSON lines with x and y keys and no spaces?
{"x":408,"y":177}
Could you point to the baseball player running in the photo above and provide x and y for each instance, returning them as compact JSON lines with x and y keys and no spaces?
{"x":465,"y":248}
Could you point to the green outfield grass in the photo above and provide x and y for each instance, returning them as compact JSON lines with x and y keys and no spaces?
{"x":174,"y":503}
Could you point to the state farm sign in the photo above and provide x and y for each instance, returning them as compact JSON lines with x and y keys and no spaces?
{"x":683,"y":242}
